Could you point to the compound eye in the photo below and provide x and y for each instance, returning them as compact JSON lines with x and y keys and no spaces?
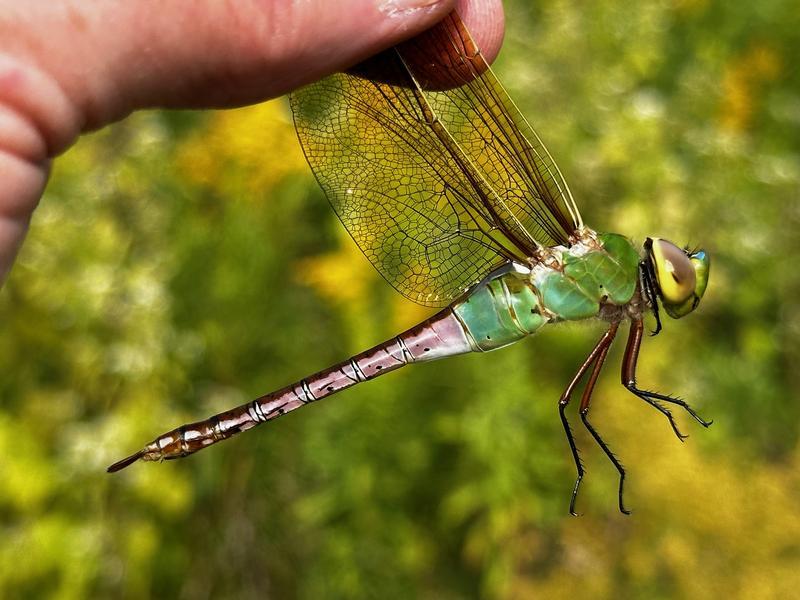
{"x":674,"y":271}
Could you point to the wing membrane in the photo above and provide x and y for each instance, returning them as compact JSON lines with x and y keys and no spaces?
{"x":436,"y":184}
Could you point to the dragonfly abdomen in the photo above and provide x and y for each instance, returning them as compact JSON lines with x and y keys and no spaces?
{"x":440,"y":336}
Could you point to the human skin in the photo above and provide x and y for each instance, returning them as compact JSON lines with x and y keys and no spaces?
{"x":72,"y":66}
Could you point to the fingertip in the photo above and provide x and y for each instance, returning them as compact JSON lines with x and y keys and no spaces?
{"x":486,"y":22}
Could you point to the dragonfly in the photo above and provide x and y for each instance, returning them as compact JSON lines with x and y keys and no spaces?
{"x":452,"y":196}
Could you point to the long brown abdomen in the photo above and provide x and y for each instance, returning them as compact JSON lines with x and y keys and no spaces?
{"x":441,"y":335}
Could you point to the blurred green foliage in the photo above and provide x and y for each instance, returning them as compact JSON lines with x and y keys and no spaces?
{"x":183,"y":263}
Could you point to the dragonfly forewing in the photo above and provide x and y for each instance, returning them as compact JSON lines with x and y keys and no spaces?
{"x":431,"y":168}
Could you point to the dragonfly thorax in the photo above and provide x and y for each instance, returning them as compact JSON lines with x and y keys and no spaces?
{"x":578,"y":281}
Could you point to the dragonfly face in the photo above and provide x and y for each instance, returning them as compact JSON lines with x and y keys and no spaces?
{"x":681,"y":277}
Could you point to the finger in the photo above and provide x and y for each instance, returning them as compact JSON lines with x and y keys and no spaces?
{"x":220,"y":54}
{"x":260,"y":51}
{"x":70,"y":67}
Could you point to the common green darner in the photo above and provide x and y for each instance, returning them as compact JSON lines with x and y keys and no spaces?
{"x":454,"y":199}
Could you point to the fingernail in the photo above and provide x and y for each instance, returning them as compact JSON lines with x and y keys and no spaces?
{"x":404,"y":8}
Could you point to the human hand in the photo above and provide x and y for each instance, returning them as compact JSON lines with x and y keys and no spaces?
{"x":72,"y":66}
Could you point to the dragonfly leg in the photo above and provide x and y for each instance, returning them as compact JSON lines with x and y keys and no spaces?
{"x":600,"y":348}
{"x":652,"y":398}
{"x":584,"y":413}
{"x":649,"y":289}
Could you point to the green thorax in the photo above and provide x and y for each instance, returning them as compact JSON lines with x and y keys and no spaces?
{"x":603,"y":269}
{"x":593,"y":274}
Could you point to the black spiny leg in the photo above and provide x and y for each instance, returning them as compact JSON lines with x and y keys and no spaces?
{"x":652,"y":398}
{"x":601,"y":348}
{"x":584,"y":412}
{"x":648,"y":280}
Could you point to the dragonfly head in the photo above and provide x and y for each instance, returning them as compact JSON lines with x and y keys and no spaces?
{"x":681,"y":276}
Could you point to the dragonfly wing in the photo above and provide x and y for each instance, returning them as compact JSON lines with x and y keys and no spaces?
{"x":398,"y":191}
{"x":437,"y":187}
{"x":489,"y":129}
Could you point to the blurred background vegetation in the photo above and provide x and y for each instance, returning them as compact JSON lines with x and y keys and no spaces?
{"x":183,"y":263}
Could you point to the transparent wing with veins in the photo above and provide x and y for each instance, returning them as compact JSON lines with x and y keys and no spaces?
{"x":430,"y":166}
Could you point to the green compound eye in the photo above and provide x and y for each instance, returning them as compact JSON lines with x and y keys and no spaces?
{"x":682,"y":277}
{"x":701,"y":264}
